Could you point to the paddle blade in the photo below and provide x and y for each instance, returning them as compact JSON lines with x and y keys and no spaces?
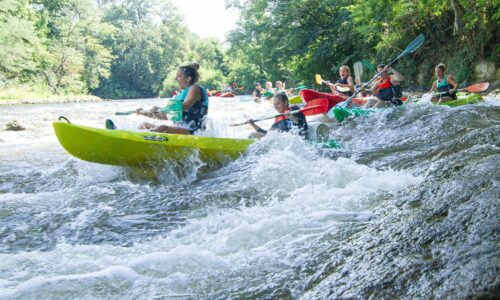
{"x":368,"y":65}
{"x":124,"y":113}
{"x":415,"y":44}
{"x":477,"y":88}
{"x":318,"y":79}
{"x":358,"y":69}
{"x":315,"y":107}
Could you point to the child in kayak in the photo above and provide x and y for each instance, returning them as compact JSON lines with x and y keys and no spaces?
{"x":283,"y":123}
{"x":444,"y":85}
{"x":345,"y":84}
{"x":387,"y":88}
{"x":269,"y":92}
{"x":194,"y":105}
{"x":257,"y":93}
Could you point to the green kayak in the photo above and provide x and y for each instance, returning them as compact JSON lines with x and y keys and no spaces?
{"x":144,"y":149}
{"x":151,"y":149}
{"x":463,"y":99}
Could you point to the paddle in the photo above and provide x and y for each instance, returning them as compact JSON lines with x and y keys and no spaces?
{"x":414,"y":45}
{"x":368,"y":65}
{"x":126,"y":113}
{"x":475,"y":88}
{"x":308,"y":111}
{"x":320,"y":81}
{"x":358,"y":71}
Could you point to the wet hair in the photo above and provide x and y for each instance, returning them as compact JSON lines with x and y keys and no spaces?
{"x":347,"y":68}
{"x":381,"y":66}
{"x":257,"y":84}
{"x":191,"y":70}
{"x":282,"y":97}
{"x":441,"y":66}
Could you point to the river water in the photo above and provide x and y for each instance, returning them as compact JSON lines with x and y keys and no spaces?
{"x":407,"y":208}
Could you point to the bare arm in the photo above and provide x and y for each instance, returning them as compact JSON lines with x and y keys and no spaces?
{"x":433,"y":88}
{"x":375,"y":86}
{"x":154,"y":113}
{"x":332,"y":87}
{"x":451,"y":80}
{"x":257,"y":128}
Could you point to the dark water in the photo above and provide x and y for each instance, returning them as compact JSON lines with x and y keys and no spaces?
{"x":408,"y":208}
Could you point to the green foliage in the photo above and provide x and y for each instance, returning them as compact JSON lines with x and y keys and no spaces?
{"x":18,"y":41}
{"x":132,"y":48}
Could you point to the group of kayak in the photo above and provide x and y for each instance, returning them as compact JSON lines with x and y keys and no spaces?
{"x":174,"y":142}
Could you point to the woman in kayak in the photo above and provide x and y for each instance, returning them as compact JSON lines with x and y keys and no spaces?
{"x":284,"y":123}
{"x":345,"y":84}
{"x":194,"y":104}
{"x":445,"y":86}
{"x":387,"y":88}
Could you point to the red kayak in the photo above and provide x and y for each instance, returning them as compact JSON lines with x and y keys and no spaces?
{"x":362,"y":101}
{"x":227,"y":95}
{"x":333,"y":99}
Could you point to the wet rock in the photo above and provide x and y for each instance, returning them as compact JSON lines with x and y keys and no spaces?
{"x":485,"y":70}
{"x":495,"y":94}
{"x":14,"y":125}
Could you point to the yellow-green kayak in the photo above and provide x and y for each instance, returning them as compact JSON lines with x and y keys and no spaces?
{"x":144,"y":149}
{"x":295,"y":100}
{"x":463,"y":99}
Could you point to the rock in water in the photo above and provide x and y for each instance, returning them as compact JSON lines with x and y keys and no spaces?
{"x":14,"y":126}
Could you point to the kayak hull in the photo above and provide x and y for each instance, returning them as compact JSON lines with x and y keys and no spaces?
{"x":295,"y":100}
{"x":463,"y":100}
{"x":333,"y":99}
{"x":144,"y":149}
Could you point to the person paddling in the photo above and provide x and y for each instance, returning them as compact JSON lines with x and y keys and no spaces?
{"x":257,"y":93}
{"x":194,"y":104}
{"x":445,"y":84}
{"x":283,"y":123}
{"x":344,"y":82}
{"x":387,"y":88}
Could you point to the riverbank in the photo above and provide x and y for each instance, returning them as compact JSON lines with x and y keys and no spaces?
{"x":53,"y":99}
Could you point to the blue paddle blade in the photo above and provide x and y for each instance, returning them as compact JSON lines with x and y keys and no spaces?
{"x":415,"y":44}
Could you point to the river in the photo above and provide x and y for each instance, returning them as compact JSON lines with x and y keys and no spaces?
{"x":407,"y":208}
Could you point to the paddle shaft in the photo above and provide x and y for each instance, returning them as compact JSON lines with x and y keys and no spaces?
{"x":280,"y":115}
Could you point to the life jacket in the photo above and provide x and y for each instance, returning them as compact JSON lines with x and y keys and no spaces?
{"x":344,"y":81}
{"x":389,"y":92}
{"x":281,"y":123}
{"x":195,"y":115}
{"x":443,"y":86}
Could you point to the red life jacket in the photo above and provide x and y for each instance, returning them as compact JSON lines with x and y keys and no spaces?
{"x":280,"y":118}
{"x":386,"y":84}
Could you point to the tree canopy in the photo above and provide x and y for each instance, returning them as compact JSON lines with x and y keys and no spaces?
{"x":131,"y":48}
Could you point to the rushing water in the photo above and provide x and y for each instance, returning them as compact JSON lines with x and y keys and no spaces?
{"x":407,"y":208}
